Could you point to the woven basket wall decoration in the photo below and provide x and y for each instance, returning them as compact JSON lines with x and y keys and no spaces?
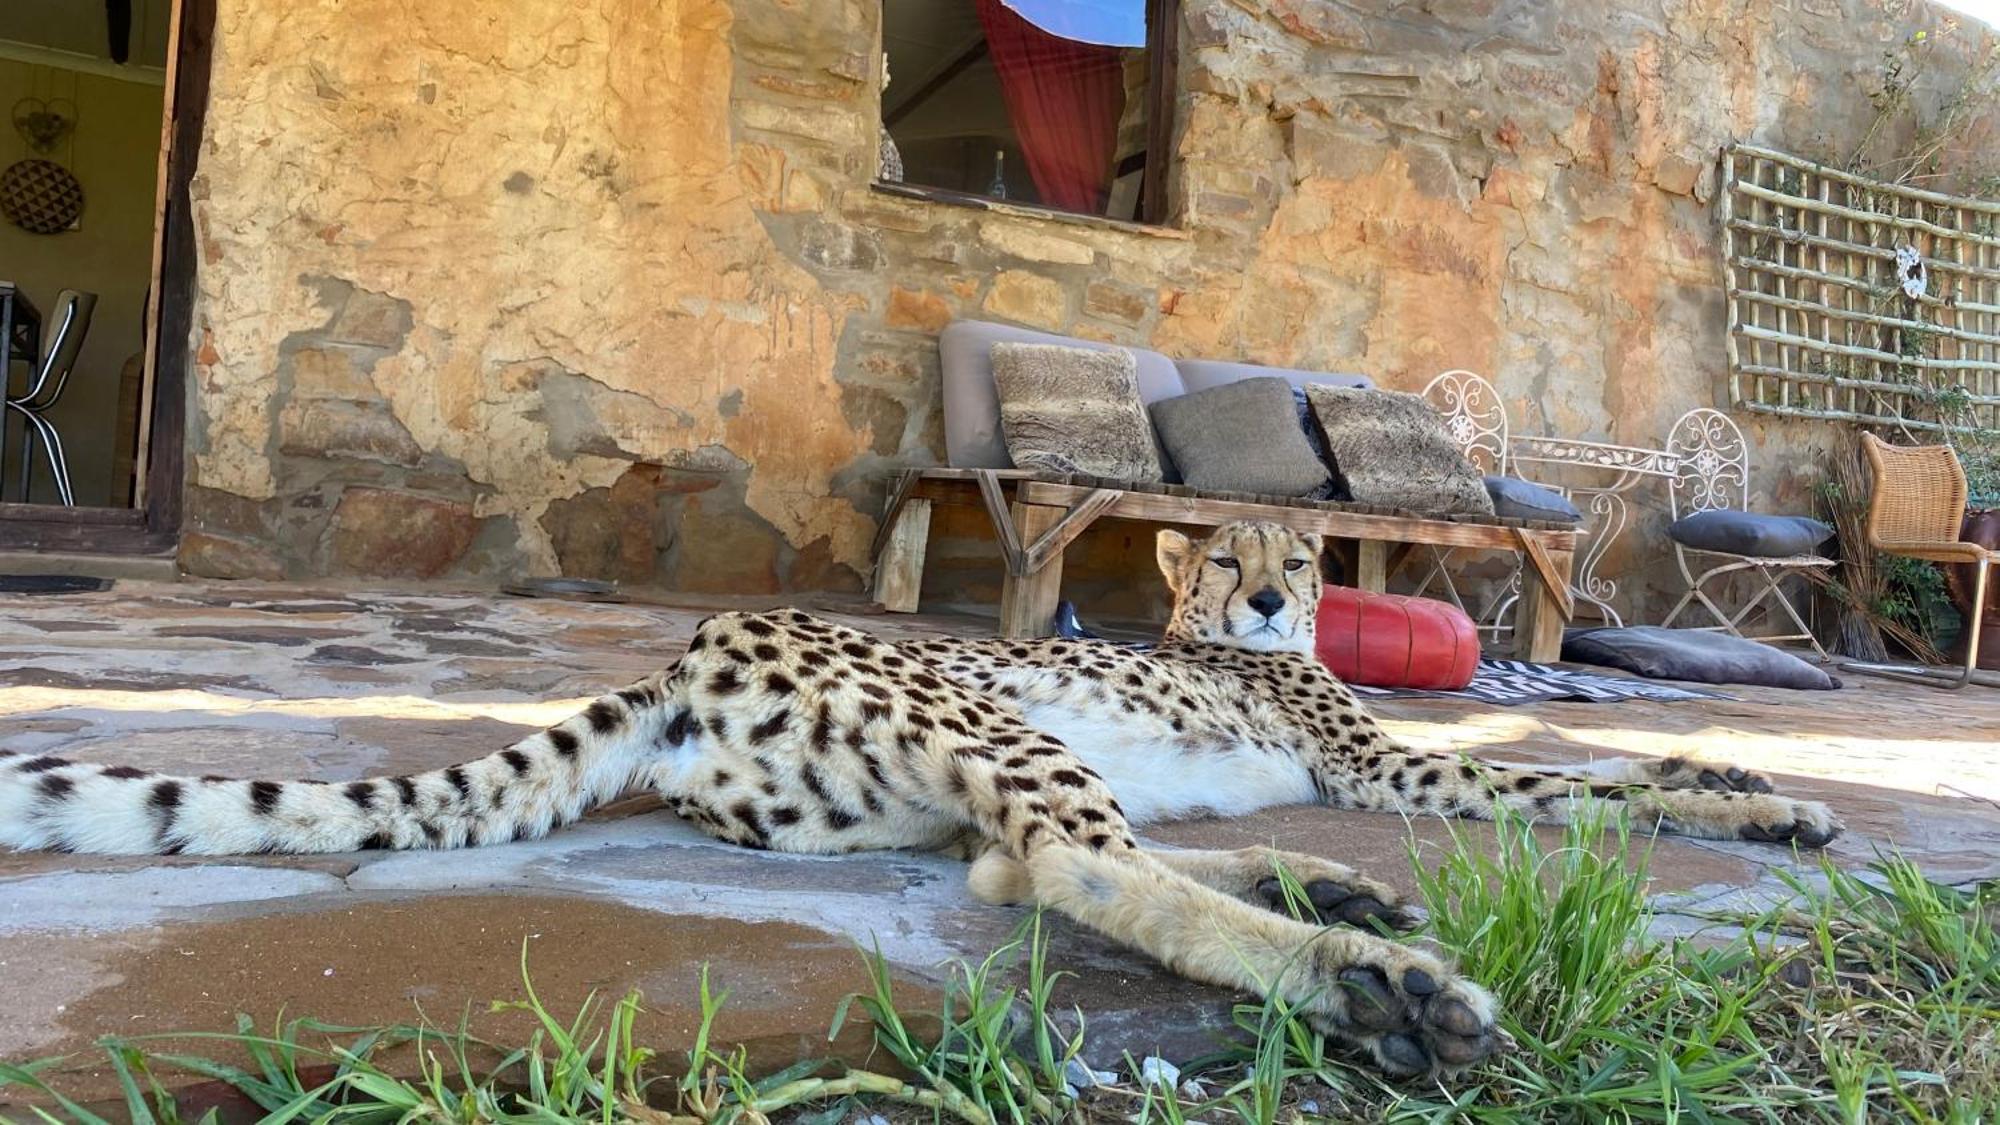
{"x":40,"y":196}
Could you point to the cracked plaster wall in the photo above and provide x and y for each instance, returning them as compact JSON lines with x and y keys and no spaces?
{"x":600,"y":287}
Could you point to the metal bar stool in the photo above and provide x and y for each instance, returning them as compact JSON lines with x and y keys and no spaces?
{"x":71,"y":319}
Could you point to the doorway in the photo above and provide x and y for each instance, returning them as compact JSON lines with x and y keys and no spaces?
{"x":100,"y":119}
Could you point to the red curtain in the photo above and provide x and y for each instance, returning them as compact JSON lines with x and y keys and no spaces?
{"x":1064,"y":98}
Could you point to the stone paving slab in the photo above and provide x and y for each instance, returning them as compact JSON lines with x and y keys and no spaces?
{"x":337,"y":684}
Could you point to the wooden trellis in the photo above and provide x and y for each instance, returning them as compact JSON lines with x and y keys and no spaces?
{"x":1854,"y":300}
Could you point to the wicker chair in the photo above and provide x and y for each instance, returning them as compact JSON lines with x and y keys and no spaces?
{"x":1916,"y":510}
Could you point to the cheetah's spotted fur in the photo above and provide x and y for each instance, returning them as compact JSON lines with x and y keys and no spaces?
{"x":1035,"y":758}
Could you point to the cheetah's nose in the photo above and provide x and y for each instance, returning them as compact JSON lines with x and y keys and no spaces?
{"x":1267,"y":601}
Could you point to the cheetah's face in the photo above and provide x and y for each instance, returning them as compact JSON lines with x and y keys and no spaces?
{"x":1248,"y":585}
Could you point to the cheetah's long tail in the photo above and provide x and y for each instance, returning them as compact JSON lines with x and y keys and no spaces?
{"x":547,"y":779}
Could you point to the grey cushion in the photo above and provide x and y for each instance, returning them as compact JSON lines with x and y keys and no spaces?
{"x":972,"y":437}
{"x":1748,"y":533}
{"x":1391,"y":448}
{"x":1074,"y":410}
{"x":1694,"y":655}
{"x":1240,"y":437}
{"x":1201,"y":374}
{"x":1526,"y":500}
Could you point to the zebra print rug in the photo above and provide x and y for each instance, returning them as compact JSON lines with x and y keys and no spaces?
{"x":1504,"y":683}
{"x":1509,"y":683}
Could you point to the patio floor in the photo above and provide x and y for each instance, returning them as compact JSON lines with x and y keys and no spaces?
{"x":282,"y":681}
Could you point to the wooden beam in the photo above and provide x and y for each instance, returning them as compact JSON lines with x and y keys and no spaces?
{"x":1200,"y":512}
{"x":1539,"y":619}
{"x":161,"y":188}
{"x":1163,"y":46}
{"x":1371,"y":566}
{"x":1398,"y":555}
{"x":1004,"y":531}
{"x":899,"y":566}
{"x":1557,"y":580}
{"x":899,"y":494}
{"x":1073,"y":523}
{"x":1028,"y":601}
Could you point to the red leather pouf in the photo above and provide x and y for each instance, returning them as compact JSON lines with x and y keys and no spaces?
{"x":1387,"y":640}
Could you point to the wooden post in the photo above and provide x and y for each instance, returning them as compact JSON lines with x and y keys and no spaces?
{"x":1028,"y":601}
{"x":1371,"y":566}
{"x":1538,"y":625}
{"x":899,"y":568}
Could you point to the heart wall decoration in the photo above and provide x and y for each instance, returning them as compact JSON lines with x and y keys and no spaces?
{"x":44,"y":123}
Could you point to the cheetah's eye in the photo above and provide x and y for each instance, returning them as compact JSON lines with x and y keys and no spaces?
{"x":1294,"y":564}
{"x":1226,"y":563}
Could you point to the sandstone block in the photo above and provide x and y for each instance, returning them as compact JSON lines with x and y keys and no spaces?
{"x":1317,"y":21}
{"x":329,"y":373}
{"x":826,"y":125}
{"x":921,"y":310}
{"x":1018,"y":241}
{"x":330,"y":428}
{"x":1115,"y":302}
{"x":384,"y":533}
{"x":838,"y":247}
{"x":207,"y":555}
{"x":1031,"y":299}
{"x":373,"y":320}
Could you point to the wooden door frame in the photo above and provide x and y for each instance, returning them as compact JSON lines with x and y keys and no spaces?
{"x":154,"y":527}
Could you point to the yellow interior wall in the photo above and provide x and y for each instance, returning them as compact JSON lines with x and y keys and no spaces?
{"x":115,"y":153}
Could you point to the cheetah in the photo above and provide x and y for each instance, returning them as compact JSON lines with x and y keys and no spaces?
{"x":1037,"y":760}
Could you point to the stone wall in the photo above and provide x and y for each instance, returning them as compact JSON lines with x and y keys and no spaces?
{"x":601,"y":287}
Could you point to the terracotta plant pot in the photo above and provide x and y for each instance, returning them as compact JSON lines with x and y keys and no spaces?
{"x":1981,"y":527}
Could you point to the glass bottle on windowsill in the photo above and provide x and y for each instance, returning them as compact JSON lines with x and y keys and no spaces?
{"x":998,"y":188}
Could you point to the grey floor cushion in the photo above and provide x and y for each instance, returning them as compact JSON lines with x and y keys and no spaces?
{"x":1074,"y":410}
{"x":1240,"y":437}
{"x":1748,"y":533}
{"x":1392,"y":448}
{"x":1526,"y":500}
{"x":1695,"y":655}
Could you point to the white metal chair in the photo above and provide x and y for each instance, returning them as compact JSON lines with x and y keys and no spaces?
{"x":1476,"y":418}
{"x":1711,"y":470}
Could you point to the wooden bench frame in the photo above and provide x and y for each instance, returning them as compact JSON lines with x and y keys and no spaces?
{"x":1035,"y":520}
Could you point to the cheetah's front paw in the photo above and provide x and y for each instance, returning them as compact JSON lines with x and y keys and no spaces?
{"x":1775,"y":820}
{"x":1353,"y":900}
{"x":1411,"y":1013}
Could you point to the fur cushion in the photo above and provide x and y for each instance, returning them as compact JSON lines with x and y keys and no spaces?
{"x":1240,"y":437}
{"x":1074,"y":410}
{"x":1391,"y":448}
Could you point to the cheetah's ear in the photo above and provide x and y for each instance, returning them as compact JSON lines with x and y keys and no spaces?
{"x":1173,"y":551}
{"x":1314,"y":543}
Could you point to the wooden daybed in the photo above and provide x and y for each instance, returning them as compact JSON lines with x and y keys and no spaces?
{"x":1036,"y":517}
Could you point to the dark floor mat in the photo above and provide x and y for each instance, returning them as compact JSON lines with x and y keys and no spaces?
{"x":51,"y":584}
